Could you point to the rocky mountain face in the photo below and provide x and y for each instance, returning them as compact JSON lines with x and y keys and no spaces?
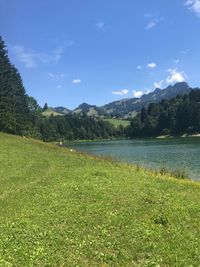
{"x":126,"y":108}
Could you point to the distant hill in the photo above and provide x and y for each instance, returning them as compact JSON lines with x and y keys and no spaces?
{"x":121,"y":108}
{"x":90,"y":110}
{"x":51,"y":111}
{"x":127,"y":108}
{"x":57,"y":111}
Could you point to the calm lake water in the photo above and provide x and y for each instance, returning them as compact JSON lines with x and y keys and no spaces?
{"x":172,"y":153}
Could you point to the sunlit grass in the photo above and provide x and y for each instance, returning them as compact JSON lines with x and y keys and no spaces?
{"x":63,"y":208}
{"x":49,"y":112}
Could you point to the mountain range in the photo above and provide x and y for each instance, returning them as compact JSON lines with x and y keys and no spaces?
{"x":127,"y":108}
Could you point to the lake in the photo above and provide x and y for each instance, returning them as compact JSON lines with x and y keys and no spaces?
{"x":171,"y":153}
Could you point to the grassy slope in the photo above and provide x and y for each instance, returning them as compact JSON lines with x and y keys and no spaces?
{"x":62,"y":208}
{"x":49,"y":111}
{"x":117,"y":122}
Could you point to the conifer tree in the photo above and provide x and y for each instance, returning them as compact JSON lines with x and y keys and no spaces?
{"x":45,"y":107}
{"x":14,"y":112}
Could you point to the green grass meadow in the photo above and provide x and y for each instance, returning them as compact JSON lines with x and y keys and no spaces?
{"x":64,"y":208}
{"x":49,"y":112}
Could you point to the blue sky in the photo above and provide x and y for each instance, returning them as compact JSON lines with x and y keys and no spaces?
{"x":98,"y":51}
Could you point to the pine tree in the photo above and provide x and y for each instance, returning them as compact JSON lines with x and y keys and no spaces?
{"x":45,"y":107}
{"x":14,"y":112}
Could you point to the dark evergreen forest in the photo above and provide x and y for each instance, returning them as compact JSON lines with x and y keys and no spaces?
{"x":175,"y":117}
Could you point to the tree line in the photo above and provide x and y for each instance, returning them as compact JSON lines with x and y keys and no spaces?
{"x":176,"y":116}
{"x":72,"y":127}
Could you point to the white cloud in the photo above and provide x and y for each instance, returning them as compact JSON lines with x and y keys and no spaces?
{"x":175,"y":76}
{"x":151,"y":65}
{"x":31,"y":58}
{"x":147,"y":90}
{"x":185,"y":52}
{"x":57,"y":53}
{"x":153,"y":22}
{"x":56,"y":76}
{"x":139,"y":67}
{"x":169,"y":70}
{"x":28,"y":58}
{"x":51,"y":75}
{"x":158,"y":84}
{"x":76,"y":81}
{"x":100,"y":25}
{"x":176,"y":61}
{"x":137,"y":94}
{"x":193,"y":5}
{"x":120,"y":92}
{"x":150,"y":25}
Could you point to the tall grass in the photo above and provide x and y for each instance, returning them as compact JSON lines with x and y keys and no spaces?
{"x":178,"y":173}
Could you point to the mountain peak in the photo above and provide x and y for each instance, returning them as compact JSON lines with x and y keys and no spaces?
{"x":83,"y":106}
{"x":126,"y":108}
{"x":129,"y":106}
{"x":179,"y":86}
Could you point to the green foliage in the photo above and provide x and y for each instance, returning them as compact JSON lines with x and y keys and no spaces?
{"x":33,"y":106}
{"x":179,"y":174}
{"x":118,"y":122}
{"x":76,"y":127}
{"x":169,"y":117}
{"x":14,"y":111}
{"x":45,"y":107}
{"x":63,"y":208}
{"x":162,"y":220}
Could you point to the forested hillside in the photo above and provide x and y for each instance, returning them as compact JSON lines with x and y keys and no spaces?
{"x":126,"y":108}
{"x":169,"y":117}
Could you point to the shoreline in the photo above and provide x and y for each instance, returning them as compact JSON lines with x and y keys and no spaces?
{"x":176,"y":170}
{"x":136,"y":138}
{"x":176,"y":174}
